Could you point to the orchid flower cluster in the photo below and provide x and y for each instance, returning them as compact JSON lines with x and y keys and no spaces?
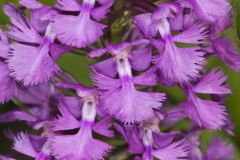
{"x":164,"y":44}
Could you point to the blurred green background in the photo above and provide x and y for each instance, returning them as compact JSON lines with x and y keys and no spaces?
{"x":78,"y":67}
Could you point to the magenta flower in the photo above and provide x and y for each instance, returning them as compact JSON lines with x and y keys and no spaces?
{"x":207,"y":113}
{"x":84,"y":145}
{"x":137,"y":51}
{"x":151,"y":143}
{"x":171,"y":58}
{"x":121,"y":98}
{"x":32,"y":61}
{"x":80,"y":31}
{"x":32,"y":146}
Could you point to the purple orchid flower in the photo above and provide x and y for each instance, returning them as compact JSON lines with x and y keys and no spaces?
{"x":121,"y":98}
{"x":32,"y":146}
{"x":166,"y":42}
{"x":175,"y":64}
{"x":207,"y":113}
{"x":80,"y":31}
{"x":152,"y":143}
{"x":34,"y":51}
{"x":85,"y":146}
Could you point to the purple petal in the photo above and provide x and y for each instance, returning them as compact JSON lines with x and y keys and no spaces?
{"x":219,"y":149}
{"x":162,"y":140}
{"x":141,"y":59}
{"x":31,"y":65}
{"x":205,"y":113}
{"x":40,"y":18}
{"x":105,"y":83}
{"x":22,"y":144}
{"x":21,"y":30}
{"x":30,"y":4}
{"x":74,"y":105}
{"x":83,"y":145}
{"x":68,"y":5}
{"x":132,"y":137}
{"x":97,"y":52}
{"x":65,"y":121}
{"x":77,"y":31}
{"x":102,"y":127}
{"x":213,"y":83}
{"x":16,"y":115}
{"x":145,"y":24}
{"x":179,"y":64}
{"x":130,"y":105}
{"x":36,"y":95}
{"x":174,"y":151}
{"x":221,"y":24}
{"x":56,"y":50}
{"x":106,"y":67}
{"x":148,"y":78}
{"x":101,"y":12}
{"x":4,"y":45}
{"x":211,"y":11}
{"x":183,"y":20}
{"x":194,"y":35}
{"x":165,"y":10}
{"x":102,"y":2}
{"x":8,"y":87}
{"x":226,"y":51}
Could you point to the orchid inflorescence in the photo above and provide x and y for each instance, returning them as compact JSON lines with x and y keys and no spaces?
{"x":163,"y":44}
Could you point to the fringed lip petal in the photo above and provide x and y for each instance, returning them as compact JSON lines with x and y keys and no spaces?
{"x":130,"y":105}
{"x":193,"y":35}
{"x":180,"y":64}
{"x":174,"y":151}
{"x":213,"y":83}
{"x":8,"y":86}
{"x":206,"y":113}
{"x":84,"y":146}
{"x":31,"y":65}
{"x":77,"y":31}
